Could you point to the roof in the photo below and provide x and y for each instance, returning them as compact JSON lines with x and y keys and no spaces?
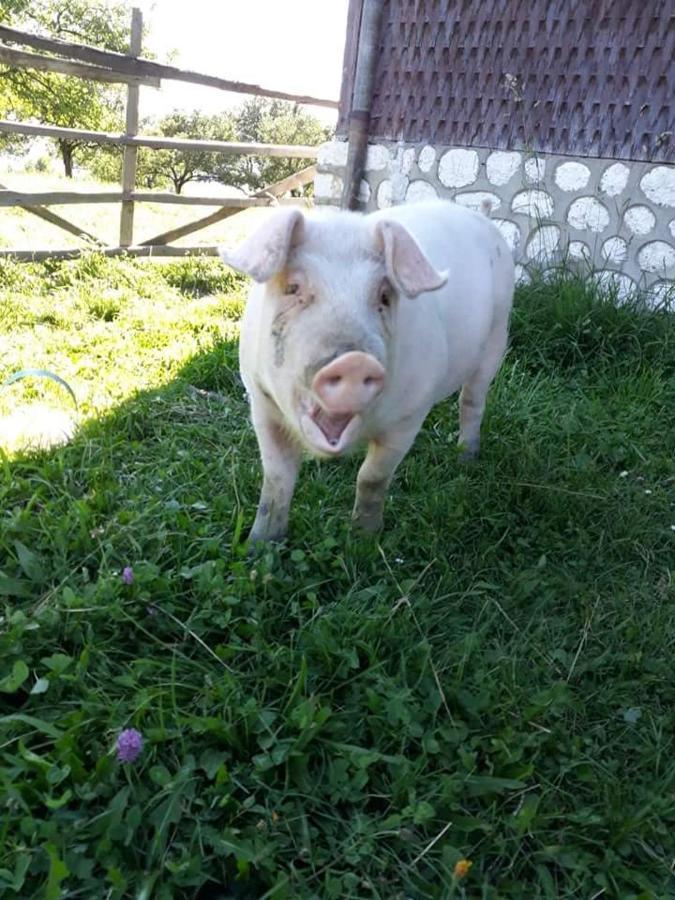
{"x":579,"y":77}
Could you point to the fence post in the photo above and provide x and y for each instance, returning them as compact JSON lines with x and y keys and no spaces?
{"x":131,"y":153}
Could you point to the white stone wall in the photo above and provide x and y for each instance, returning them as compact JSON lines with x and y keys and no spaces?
{"x":613,"y":219}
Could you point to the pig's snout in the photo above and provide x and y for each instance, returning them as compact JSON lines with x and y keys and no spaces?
{"x":349,"y":383}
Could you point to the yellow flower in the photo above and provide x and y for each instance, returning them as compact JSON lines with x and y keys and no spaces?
{"x":462,"y":867}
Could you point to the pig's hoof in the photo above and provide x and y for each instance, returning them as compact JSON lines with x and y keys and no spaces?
{"x":468,"y":454}
{"x":370,"y":524}
{"x":258,"y":542}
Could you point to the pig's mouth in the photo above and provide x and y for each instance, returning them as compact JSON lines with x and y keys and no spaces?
{"x":328,"y":432}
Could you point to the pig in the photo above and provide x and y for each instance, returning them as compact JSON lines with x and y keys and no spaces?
{"x":355,"y":327}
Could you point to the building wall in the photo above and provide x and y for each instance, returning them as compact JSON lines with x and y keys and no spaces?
{"x":615,"y":218}
{"x":592,"y":78}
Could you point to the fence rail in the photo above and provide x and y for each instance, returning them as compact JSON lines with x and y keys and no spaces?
{"x":131,"y":65}
{"x":10,"y":57}
{"x":75,"y":198}
{"x":300,"y":151}
{"x":143,"y":250}
{"x":88,"y":62}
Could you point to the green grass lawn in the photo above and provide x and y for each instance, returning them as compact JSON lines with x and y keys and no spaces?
{"x":20,"y":230}
{"x":340,"y":718}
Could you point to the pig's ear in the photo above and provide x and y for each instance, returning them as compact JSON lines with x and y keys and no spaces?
{"x":265,"y":252}
{"x":407,"y":266}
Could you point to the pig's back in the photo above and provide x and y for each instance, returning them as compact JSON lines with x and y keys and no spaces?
{"x":441,"y":334}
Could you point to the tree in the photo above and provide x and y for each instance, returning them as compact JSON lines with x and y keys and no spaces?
{"x":259,"y":121}
{"x":182,"y":166}
{"x":265,"y":121}
{"x":157,"y":168}
{"x":104,"y":163}
{"x":58,"y":99}
{"x":12,"y":8}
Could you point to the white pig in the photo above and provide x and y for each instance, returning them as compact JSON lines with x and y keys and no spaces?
{"x":357,"y":325}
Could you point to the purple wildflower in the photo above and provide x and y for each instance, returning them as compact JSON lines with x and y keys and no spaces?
{"x":129,"y":745}
{"x":128,"y":575}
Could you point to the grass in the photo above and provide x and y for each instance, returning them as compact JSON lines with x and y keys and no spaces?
{"x":19,"y":230}
{"x":341,"y":718}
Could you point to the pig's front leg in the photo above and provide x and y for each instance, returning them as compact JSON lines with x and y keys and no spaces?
{"x":375,"y":476}
{"x":280,"y":458}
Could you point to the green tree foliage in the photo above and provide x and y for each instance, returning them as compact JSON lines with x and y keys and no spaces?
{"x":175,"y":168}
{"x":10,"y":8}
{"x":57,"y":99}
{"x":265,"y":121}
{"x":181,"y":166}
{"x":258,"y":121}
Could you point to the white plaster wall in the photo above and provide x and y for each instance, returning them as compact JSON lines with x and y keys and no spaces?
{"x":612,"y":218}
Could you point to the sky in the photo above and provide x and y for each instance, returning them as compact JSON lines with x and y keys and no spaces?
{"x":289,"y":45}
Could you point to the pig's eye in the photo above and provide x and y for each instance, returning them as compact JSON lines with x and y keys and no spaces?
{"x":291,"y":288}
{"x":385,"y":297}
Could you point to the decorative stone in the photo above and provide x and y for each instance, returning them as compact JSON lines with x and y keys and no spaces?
{"x":458,"y":168}
{"x":588,"y":214}
{"x":658,"y":185}
{"x":473,"y":199}
{"x":522,"y":275}
{"x":639,"y":219}
{"x":615,"y":250}
{"x":656,"y":256}
{"x":364,"y":191}
{"x":543,"y":244}
{"x":579,"y":250}
{"x":536,"y":204}
{"x":384,"y":195}
{"x":377,"y":158}
{"x":614,"y":179}
{"x":572,"y":176}
{"x":401,"y":161}
{"x":510,"y":233}
{"x":501,"y":166}
{"x":327,"y":186}
{"x":615,"y":283}
{"x":426,"y":159}
{"x":399,"y":186}
{"x":535,"y":169}
{"x":333,"y":154}
{"x":419,"y":191}
{"x":661,"y":294}
{"x":407,"y":159}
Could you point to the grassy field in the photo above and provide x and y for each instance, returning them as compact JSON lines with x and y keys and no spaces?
{"x":19,"y":230}
{"x":491,"y":681}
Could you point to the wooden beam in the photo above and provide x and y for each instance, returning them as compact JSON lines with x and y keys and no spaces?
{"x":294,"y":151}
{"x":150,"y":252}
{"x":229,"y":202}
{"x":52,"y":217}
{"x":166,"y":237}
{"x":129,"y":163}
{"x":57,"y":198}
{"x":23,"y":60}
{"x":121,"y":62}
{"x":299,"y":179}
{"x":70,"y":198}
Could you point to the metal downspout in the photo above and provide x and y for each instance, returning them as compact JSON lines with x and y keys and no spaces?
{"x":362,"y":95}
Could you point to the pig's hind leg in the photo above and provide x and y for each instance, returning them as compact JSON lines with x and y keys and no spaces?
{"x":474,"y":392}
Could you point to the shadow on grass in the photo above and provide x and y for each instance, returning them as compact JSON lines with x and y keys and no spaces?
{"x":314,"y":718}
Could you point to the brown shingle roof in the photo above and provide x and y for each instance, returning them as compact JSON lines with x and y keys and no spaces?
{"x":579,"y":77}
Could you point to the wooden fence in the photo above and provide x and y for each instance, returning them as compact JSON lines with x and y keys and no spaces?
{"x":87,"y":62}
